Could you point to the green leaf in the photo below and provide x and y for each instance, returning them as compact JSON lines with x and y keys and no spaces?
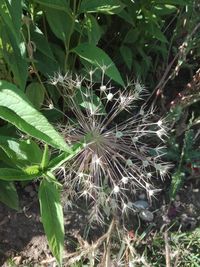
{"x":11,"y":14}
{"x":101,"y":6}
{"x":156,"y":32}
{"x":10,"y":174}
{"x":8,"y":195}
{"x":99,"y":58}
{"x":92,"y":103}
{"x":35,"y":93}
{"x":172,"y":2}
{"x":45,"y":61}
{"x":126,"y":17}
{"x":21,"y":152}
{"x":60,"y":23}
{"x":5,"y":160}
{"x":162,"y":10}
{"x":58,"y":160}
{"x":177,"y":180}
{"x":33,"y":170}
{"x":14,"y":50}
{"x":16,"y":108}
{"x":45,"y":65}
{"x":132,"y":36}
{"x":52,"y":217}
{"x":15,"y":56}
{"x":45,"y":157}
{"x":41,"y":42}
{"x":55,"y":4}
{"x":127,"y":55}
{"x":94,"y":31}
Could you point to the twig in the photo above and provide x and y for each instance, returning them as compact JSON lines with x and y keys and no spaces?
{"x":181,"y":51}
{"x":85,"y":249}
{"x":167,"y":249}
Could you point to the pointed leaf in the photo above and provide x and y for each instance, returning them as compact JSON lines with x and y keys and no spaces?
{"x":60,"y":23}
{"x":35,"y":93}
{"x":8,"y":195}
{"x":107,"y":7}
{"x":10,"y":174}
{"x":22,"y":152}
{"x":16,"y":108}
{"x":55,"y":4}
{"x":52,"y":217}
{"x":11,"y":14}
{"x":99,"y":58}
{"x":127,"y":55}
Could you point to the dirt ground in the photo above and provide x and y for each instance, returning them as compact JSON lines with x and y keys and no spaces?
{"x":22,"y":238}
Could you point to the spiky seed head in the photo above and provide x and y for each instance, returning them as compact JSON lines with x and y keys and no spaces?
{"x":117,"y":156}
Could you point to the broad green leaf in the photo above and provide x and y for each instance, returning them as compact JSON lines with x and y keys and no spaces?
{"x":127,"y":55}
{"x":45,"y":61}
{"x":8,"y":195}
{"x":59,"y":160}
{"x":15,"y":56}
{"x":101,"y":6}
{"x":55,"y":4}
{"x":59,"y":55}
{"x":45,"y":65}
{"x":156,"y":32}
{"x":41,"y":42}
{"x":60,"y":23}
{"x":94,"y":31}
{"x":99,"y":58}
{"x":11,"y":14}
{"x":10,"y":174}
{"x":21,"y":152}
{"x":14,"y":50}
{"x":52,"y":216}
{"x":6,"y":161}
{"x":16,"y":108}
{"x":132,"y":36}
{"x":126,"y":17}
{"x":35,"y":93}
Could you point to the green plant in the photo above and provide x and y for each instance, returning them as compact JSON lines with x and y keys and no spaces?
{"x":24,"y":160}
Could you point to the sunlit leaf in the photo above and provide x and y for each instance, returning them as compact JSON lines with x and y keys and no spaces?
{"x":16,"y":108}
{"x":98,"y":58}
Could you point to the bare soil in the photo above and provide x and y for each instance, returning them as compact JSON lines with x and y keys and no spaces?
{"x":22,"y":238}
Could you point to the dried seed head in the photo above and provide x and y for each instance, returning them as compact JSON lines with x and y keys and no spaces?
{"x":118,"y":156}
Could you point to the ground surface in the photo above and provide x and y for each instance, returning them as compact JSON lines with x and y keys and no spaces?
{"x":22,"y":239}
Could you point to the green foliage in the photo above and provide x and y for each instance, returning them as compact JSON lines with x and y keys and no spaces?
{"x":101,"y":6}
{"x":52,"y":215}
{"x":35,"y":93}
{"x":39,"y":38}
{"x":186,"y":158}
{"x":99,"y":59}
{"x":13,"y":46}
{"x":18,"y":110}
{"x":27,"y":162}
{"x":8,"y":194}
